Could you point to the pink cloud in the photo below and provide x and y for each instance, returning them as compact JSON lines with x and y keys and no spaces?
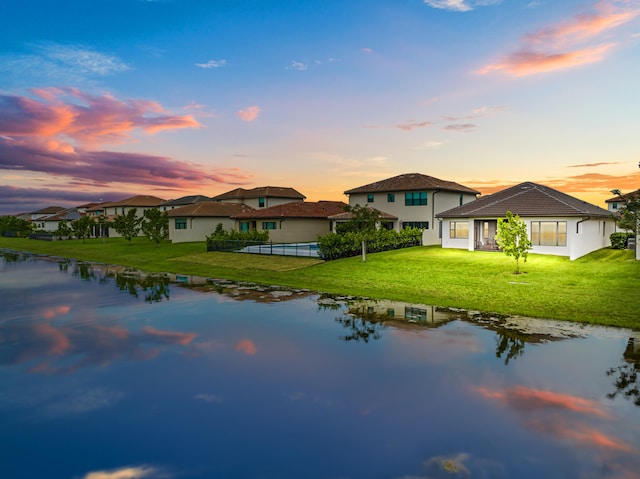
{"x":412,"y":125}
{"x":566,"y":45}
{"x":249,"y":114}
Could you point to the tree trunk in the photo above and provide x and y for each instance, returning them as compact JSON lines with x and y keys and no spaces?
{"x":364,"y":250}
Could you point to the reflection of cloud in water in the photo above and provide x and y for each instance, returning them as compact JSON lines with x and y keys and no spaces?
{"x":209,"y":398}
{"x":79,"y":345}
{"x":137,"y":472}
{"x":564,"y":417}
{"x":246,"y":346}
{"x":87,"y":401}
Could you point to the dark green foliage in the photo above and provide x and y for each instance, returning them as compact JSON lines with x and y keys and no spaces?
{"x":335,"y":246}
{"x":222,"y":240}
{"x":63,"y":229}
{"x":14,"y":226}
{"x":628,"y":219}
{"x":127,"y":225}
{"x":82,"y":227}
{"x":155,"y":225}
{"x":619,"y":240}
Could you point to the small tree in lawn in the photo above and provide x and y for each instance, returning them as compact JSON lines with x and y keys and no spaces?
{"x":127,"y":225}
{"x":82,"y":227}
{"x":103,"y":226}
{"x":155,"y":225}
{"x":512,"y":238}
{"x":363,"y":222}
{"x":63,"y":229}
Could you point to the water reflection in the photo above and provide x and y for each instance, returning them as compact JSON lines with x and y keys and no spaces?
{"x":626,"y":375}
{"x":259,"y":381}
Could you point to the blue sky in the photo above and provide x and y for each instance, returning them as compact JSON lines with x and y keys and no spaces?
{"x":101,"y":100}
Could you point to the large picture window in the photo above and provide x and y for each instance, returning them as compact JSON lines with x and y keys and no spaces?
{"x":459,"y":230}
{"x":423,"y":225}
{"x":181,"y":223}
{"x":415,"y":198}
{"x":549,"y":233}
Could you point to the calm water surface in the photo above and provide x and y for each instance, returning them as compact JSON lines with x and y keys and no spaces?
{"x":109,"y":375}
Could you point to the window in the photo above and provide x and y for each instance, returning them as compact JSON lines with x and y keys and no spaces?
{"x":391,"y":197}
{"x":459,"y":230}
{"x":244,"y":226}
{"x":181,"y":223}
{"x":614,"y":206}
{"x":370,"y":198}
{"x":415,"y":198}
{"x":549,"y":233}
{"x":123,"y":210}
{"x":261,"y":202}
{"x":461,"y":199}
{"x":415,"y":314}
{"x":423,"y":225}
{"x":268,"y":225}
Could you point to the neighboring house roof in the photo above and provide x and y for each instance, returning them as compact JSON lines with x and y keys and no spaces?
{"x":297,"y":209}
{"x":262,"y":191}
{"x":526,"y":199}
{"x":210,"y":209}
{"x":346,"y":215}
{"x":139,"y":200}
{"x":49,"y":210}
{"x":186,"y":200}
{"x":622,"y":198}
{"x":411,"y":182}
{"x":67,"y":215}
{"x":99,"y":206}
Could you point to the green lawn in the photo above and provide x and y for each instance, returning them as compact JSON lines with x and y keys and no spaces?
{"x":600,"y":288}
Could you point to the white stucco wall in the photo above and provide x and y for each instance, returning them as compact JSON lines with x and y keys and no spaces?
{"x":295,"y":230}
{"x":583,"y":237}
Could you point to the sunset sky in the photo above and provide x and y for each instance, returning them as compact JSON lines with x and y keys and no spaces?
{"x":101,"y":100}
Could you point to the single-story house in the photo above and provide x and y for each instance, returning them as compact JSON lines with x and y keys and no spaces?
{"x":197,"y":221}
{"x":414,"y":200}
{"x":558,"y":224}
{"x":294,"y":222}
{"x":261,"y":197}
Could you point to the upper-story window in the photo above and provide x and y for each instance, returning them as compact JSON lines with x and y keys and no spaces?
{"x":391,"y":197}
{"x":370,"y":198}
{"x":261,"y":202}
{"x":415,"y":198}
{"x":614,"y":206}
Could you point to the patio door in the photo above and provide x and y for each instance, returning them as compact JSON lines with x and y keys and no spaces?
{"x":485,"y":233}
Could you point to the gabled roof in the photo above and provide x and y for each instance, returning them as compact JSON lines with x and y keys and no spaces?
{"x":346,"y":215}
{"x":297,"y":209}
{"x":623,"y":198}
{"x":210,"y":209}
{"x":49,"y":210}
{"x":139,"y":200}
{"x":186,"y":200}
{"x":411,"y":182}
{"x":66,"y":215}
{"x":526,"y":199}
{"x":261,"y":191}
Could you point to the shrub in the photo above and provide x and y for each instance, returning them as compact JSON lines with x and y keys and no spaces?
{"x":335,"y":245}
{"x":222,"y":240}
{"x":619,"y":240}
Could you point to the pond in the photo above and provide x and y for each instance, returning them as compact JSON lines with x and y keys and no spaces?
{"x":110,"y":374}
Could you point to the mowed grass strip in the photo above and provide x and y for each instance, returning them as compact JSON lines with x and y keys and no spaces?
{"x":600,"y":288}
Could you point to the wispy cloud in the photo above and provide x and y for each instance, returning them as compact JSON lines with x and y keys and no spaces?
{"x":460,"y":5}
{"x":296,"y":65}
{"x":460,"y":127}
{"x":575,"y":42}
{"x":212,"y":64}
{"x":413,"y":124}
{"x":249,"y":114}
{"x":593,"y":165}
{"x":246,"y":346}
{"x":85,"y":59}
{"x":130,"y":472}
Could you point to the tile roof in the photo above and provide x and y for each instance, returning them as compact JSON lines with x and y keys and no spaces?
{"x":297,"y":209}
{"x":67,"y":215}
{"x":139,"y":200}
{"x":266,"y":191}
{"x":624,"y":197}
{"x":411,"y":182}
{"x":49,"y":210}
{"x":526,"y":199}
{"x":210,"y":209}
{"x":346,"y":215}
{"x":186,"y":200}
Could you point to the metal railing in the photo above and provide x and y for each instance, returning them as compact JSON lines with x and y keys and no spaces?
{"x":309,"y":250}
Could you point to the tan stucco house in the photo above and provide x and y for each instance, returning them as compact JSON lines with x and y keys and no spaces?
{"x":261,"y":197}
{"x":197,"y":221}
{"x":294,"y":222}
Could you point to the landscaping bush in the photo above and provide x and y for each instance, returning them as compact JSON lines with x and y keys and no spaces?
{"x":222,"y":240}
{"x":619,"y":240}
{"x":335,"y":246}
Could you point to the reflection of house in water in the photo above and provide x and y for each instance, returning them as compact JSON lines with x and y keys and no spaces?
{"x":626,"y":375}
{"x":386,"y":310}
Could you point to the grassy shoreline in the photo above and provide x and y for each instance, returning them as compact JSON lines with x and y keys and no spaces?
{"x":601,"y":288}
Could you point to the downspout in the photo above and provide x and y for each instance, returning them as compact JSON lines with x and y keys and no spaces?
{"x":433,"y":208}
{"x":578,"y":223}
